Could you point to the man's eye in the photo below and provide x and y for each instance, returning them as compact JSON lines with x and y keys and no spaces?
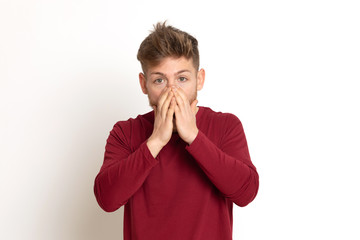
{"x":182,"y":79}
{"x":159,"y":80}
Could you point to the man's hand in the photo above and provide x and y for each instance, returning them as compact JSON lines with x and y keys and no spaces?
{"x":163,"y":123}
{"x":185,"y":116}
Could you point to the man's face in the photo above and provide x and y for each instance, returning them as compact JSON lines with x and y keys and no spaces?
{"x":172,"y":72}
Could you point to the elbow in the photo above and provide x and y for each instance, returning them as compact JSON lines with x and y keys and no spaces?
{"x":105,"y":202}
{"x":248,"y":191}
{"x":106,"y":207}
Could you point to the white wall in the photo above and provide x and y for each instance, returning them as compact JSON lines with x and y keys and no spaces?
{"x":288,"y":69}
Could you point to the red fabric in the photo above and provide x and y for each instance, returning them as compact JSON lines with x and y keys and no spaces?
{"x":187,"y":191}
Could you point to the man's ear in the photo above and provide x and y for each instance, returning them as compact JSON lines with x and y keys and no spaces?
{"x":200,"y":79}
{"x":142,"y":81}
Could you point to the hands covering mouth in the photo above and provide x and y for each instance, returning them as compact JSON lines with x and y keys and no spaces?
{"x":173,"y":111}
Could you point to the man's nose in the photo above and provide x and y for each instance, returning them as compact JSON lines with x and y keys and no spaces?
{"x":171,"y":82}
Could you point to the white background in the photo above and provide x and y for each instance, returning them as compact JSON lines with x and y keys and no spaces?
{"x":290,"y":70}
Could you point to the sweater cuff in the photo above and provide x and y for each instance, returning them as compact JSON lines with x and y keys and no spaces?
{"x":147,"y":154}
{"x":196,"y":143}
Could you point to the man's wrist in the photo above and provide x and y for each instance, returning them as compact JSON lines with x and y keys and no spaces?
{"x":193,"y":136}
{"x":154,"y":146}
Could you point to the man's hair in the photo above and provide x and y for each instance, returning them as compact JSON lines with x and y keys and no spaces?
{"x":167,"y":41}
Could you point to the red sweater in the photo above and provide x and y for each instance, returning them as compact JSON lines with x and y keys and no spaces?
{"x":187,"y":191}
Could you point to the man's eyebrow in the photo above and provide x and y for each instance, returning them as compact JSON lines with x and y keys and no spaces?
{"x":182,"y":71}
{"x":163,"y":74}
{"x":157,"y":73}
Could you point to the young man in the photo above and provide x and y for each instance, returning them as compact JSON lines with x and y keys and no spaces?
{"x":177,"y":169}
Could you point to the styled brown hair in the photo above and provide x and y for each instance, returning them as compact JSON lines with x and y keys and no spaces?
{"x":167,"y":41}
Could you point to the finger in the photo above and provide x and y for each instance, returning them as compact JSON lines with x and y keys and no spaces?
{"x":194,"y":106}
{"x":165,"y":106}
{"x":177,"y":112}
{"x":163,"y":97}
{"x":183,"y":102}
{"x":179,"y":99}
{"x":181,"y":93}
{"x":170,"y":113}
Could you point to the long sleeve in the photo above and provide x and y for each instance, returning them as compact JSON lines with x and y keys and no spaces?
{"x":123,"y":172}
{"x":228,"y":165}
{"x":190,"y":189}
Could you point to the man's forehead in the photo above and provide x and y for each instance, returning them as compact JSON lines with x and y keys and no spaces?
{"x":172,"y":65}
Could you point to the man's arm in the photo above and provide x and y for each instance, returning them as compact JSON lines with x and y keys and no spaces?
{"x":123,"y":172}
{"x":229,"y":166}
{"x":163,"y":124}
